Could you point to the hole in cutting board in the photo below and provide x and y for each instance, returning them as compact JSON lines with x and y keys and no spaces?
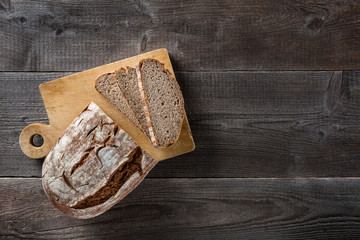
{"x":36,"y":140}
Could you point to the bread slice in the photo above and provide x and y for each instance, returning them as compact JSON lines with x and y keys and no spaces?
{"x":162,"y":100}
{"x":128,"y":83}
{"x":106,"y":85}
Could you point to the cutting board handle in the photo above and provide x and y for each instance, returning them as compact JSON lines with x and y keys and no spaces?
{"x":47,"y":132}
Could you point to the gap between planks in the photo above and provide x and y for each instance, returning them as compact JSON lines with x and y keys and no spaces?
{"x":219,"y":178}
{"x":199,"y":71}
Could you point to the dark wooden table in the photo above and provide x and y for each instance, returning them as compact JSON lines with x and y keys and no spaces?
{"x":272,"y":95}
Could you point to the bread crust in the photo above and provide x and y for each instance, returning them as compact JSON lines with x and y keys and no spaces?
{"x":153,"y":138}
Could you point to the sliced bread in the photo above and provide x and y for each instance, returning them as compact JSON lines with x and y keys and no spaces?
{"x":162,"y":101}
{"x":106,"y":85}
{"x":128,"y":83}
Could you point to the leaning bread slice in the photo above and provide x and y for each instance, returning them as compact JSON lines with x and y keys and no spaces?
{"x":106,"y":85}
{"x":162,"y":100}
{"x":128,"y":83}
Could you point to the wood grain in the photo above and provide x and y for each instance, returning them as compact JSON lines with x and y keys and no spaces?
{"x":194,"y":208}
{"x":200,"y":35}
{"x":293,"y":125}
{"x":245,"y":124}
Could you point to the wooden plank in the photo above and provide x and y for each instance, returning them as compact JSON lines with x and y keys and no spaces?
{"x":194,"y":208}
{"x":200,"y":35}
{"x":245,"y":124}
{"x":270,"y":124}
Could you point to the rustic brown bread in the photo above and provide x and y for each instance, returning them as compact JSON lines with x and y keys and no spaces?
{"x":106,"y":85}
{"x":162,"y":100}
{"x":128,"y":83}
{"x":93,"y":165}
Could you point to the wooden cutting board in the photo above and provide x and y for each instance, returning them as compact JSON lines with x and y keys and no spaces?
{"x":66,"y":97}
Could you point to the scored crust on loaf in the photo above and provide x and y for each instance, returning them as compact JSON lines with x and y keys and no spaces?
{"x":93,"y":165}
{"x":162,"y":101}
{"x":106,"y":85}
{"x":128,"y":83}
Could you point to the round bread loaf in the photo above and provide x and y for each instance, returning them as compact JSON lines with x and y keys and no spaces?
{"x":93,"y":165}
